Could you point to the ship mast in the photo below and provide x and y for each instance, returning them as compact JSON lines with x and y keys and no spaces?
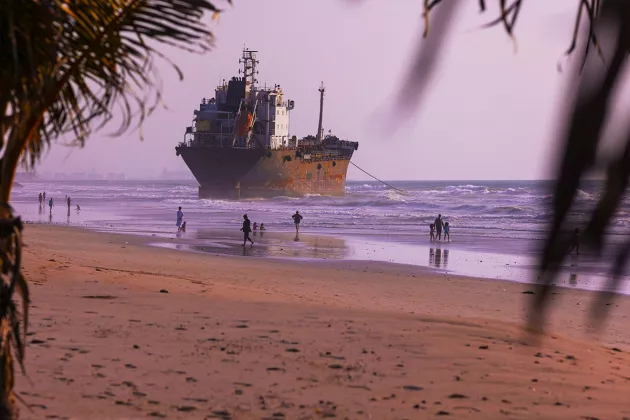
{"x":249,"y":71}
{"x":320,"y":129}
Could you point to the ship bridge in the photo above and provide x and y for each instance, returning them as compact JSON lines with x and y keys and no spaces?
{"x":243,"y":114}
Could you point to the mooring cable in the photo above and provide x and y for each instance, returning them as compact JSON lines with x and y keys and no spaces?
{"x":382,"y":182}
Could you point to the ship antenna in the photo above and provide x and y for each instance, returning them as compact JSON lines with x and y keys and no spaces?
{"x":320,"y":129}
{"x":249,"y":63}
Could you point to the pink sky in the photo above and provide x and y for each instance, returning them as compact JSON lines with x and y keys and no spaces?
{"x":488,"y":115}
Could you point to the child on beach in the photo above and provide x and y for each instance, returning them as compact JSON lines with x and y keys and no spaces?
{"x":447,"y":232}
{"x":432,"y":230}
{"x":262,"y":226}
{"x":183,"y":228}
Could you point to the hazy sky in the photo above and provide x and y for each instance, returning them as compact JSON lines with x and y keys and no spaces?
{"x":488,"y":115}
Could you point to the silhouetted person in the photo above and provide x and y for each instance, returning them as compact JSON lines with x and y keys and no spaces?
{"x":183,"y":228}
{"x":68,"y":200}
{"x":297,"y":218}
{"x":246,"y":230}
{"x":575,"y":242}
{"x":432,"y":232}
{"x":44,"y":195}
{"x":41,"y":199}
{"x":51,"y":204}
{"x":78,"y":208}
{"x":447,"y":232}
{"x":439,"y":225}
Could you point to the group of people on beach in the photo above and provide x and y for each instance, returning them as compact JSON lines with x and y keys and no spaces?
{"x":51,"y":202}
{"x":437,"y":227}
{"x":246,"y":228}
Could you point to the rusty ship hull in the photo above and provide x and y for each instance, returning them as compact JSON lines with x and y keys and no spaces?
{"x":229,"y":172}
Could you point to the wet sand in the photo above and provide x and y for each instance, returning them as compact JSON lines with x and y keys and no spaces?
{"x":511,"y":260}
{"x":120,"y":329}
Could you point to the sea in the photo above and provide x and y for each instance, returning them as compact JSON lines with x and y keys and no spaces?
{"x":497,"y":227}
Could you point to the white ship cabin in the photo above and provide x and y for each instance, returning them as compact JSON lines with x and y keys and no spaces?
{"x":242,"y":115}
{"x":271,"y":117}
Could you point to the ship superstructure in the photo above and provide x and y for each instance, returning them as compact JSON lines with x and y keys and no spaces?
{"x":239,"y":144}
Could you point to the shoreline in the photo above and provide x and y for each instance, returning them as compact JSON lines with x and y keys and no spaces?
{"x":452,"y":258}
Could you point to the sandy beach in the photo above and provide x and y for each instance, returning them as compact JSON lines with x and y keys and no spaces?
{"x":120,"y":330}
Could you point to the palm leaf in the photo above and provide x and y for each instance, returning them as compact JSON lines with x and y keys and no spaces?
{"x":64,"y":65}
{"x":94,"y":55}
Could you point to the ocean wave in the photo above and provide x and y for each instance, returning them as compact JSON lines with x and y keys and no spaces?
{"x":584,"y":196}
{"x":518,"y":209}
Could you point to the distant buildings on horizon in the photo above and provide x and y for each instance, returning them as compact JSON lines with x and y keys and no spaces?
{"x":95,"y":176}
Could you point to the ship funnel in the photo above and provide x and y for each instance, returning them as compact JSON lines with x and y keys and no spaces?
{"x":320,"y":129}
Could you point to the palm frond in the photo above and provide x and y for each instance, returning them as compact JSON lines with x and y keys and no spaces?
{"x":85,"y":58}
{"x":64,"y":65}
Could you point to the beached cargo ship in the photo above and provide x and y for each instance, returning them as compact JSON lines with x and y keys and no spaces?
{"x":239,"y":144}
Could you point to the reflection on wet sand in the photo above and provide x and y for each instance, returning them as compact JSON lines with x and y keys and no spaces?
{"x":438,"y":258}
{"x":573,"y":279}
{"x":274,"y":244}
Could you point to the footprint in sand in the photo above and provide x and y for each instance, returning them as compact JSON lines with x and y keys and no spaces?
{"x":220,"y":414}
{"x":197,"y":400}
{"x":186,"y":408}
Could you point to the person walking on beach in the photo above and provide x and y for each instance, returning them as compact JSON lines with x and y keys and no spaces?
{"x":432,"y":231}
{"x":447,"y":232}
{"x":41,"y":199}
{"x":439,"y":225}
{"x":246,"y":230}
{"x":68,"y":200}
{"x":44,"y":195}
{"x":51,"y":204}
{"x":297,"y":218}
{"x":180,"y":219}
{"x":575,"y":242}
